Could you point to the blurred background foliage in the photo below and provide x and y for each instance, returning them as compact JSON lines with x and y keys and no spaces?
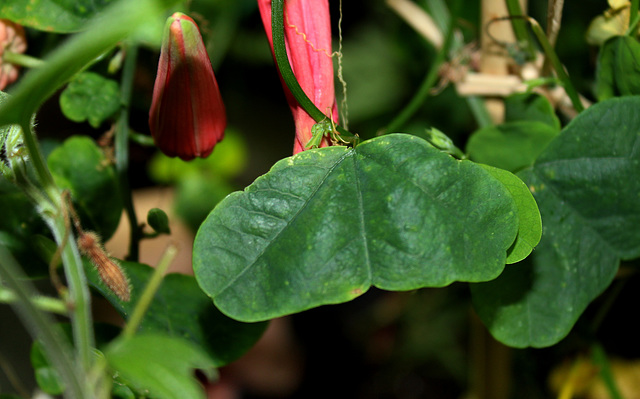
{"x":382,"y":345}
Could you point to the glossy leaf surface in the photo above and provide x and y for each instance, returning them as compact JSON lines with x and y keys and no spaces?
{"x":323,"y":226}
{"x":587,"y":188}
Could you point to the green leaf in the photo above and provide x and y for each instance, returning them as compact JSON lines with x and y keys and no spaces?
{"x":587,"y":188}
{"x":160,"y":364}
{"x":80,"y":166}
{"x":181,"y":309}
{"x":326,"y":224}
{"x":52,"y":15}
{"x":530,"y":107}
{"x":626,"y":65}
{"x":605,"y":80}
{"x":530,"y":227}
{"x":510,"y":146}
{"x":46,"y":375}
{"x":89,"y":96}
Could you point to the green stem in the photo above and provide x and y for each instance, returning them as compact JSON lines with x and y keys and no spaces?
{"x":282,"y":61}
{"x":21,"y":59}
{"x":43,"y":303}
{"x":633,"y":14}
{"x":122,"y":151}
{"x":600,"y":359}
{"x":557,"y":65}
{"x":634,"y":18}
{"x":42,"y":327}
{"x":520,"y":28}
{"x":149,"y":292}
{"x":429,"y":80}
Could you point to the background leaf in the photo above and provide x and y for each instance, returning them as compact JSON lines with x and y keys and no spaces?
{"x":323,"y":226}
{"x":90,"y":97}
{"x":160,"y":364}
{"x":181,"y":309}
{"x":80,"y":166}
{"x":530,"y":107}
{"x":586,"y":185}
{"x":510,"y":146}
{"x":51,"y":15}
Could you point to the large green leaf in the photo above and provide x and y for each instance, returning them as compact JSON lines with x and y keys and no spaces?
{"x":181,"y":309}
{"x":80,"y":166}
{"x":160,"y":364}
{"x":323,"y":226}
{"x":52,"y":15}
{"x":586,"y":185}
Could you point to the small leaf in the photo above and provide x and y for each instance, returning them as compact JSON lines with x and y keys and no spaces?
{"x":605,"y":79}
{"x":627,"y":65}
{"x":586,"y":186}
{"x":90,"y":97}
{"x":80,"y":166}
{"x":530,"y":107}
{"x":512,"y":145}
{"x":530,"y":228}
{"x":52,"y":15}
{"x":158,"y":221}
{"x":160,"y":364}
{"x":181,"y":309}
{"x":323,"y":226}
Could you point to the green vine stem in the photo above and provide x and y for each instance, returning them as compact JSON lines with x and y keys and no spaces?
{"x":122,"y":150}
{"x":553,"y":58}
{"x":149,"y":292}
{"x":21,"y":59}
{"x":430,"y":79}
{"x":520,"y":28}
{"x":42,"y":327}
{"x":44,"y":303}
{"x":282,"y":60}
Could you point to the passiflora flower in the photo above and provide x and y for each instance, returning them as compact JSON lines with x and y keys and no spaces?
{"x":307,"y":34}
{"x":187,"y":116}
{"x":12,"y":38}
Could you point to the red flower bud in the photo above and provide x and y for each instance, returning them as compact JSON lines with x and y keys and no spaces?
{"x":307,"y":33}
{"x":187,"y":116}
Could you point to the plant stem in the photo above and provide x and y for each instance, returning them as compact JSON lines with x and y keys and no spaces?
{"x":633,"y":14}
{"x":282,"y":61}
{"x":557,"y":65}
{"x":42,"y":327}
{"x":149,"y":292}
{"x":429,"y":80}
{"x":122,"y":151}
{"x":21,"y":59}
{"x":520,"y":28}
{"x":44,"y":303}
{"x":600,"y":359}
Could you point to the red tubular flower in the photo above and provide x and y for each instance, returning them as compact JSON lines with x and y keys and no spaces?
{"x":308,"y":39}
{"x":187,"y":116}
{"x":12,"y":38}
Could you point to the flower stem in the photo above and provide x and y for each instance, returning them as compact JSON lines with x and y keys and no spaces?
{"x":122,"y":151}
{"x":429,"y":80}
{"x":282,"y":60}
